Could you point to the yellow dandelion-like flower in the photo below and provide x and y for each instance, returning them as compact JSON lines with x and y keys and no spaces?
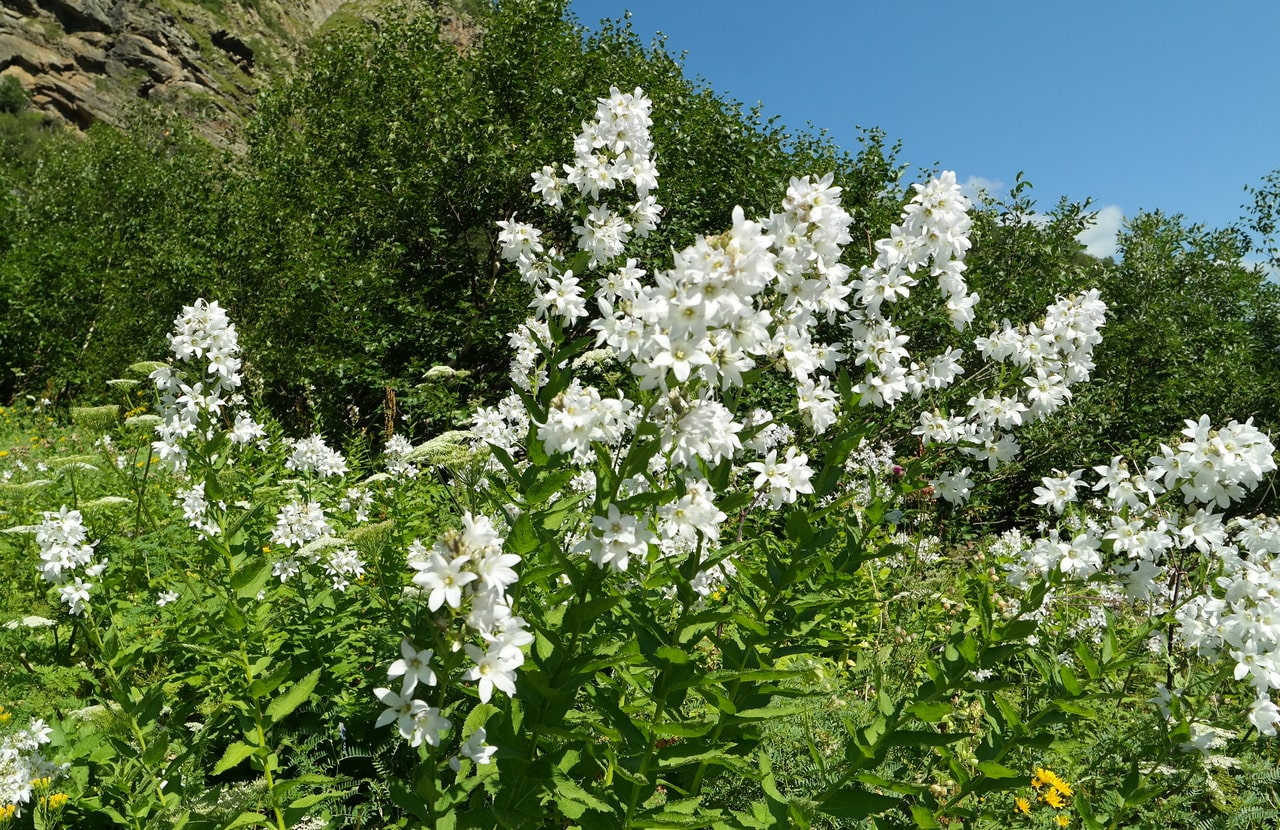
{"x":56,"y":801}
{"x":1053,"y":798}
{"x":1023,"y":805}
{"x":1052,"y":779}
{"x":1063,"y":821}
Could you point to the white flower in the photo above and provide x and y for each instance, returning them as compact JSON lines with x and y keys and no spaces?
{"x":954,"y":487}
{"x":444,"y":578}
{"x":414,"y":666}
{"x":476,"y":749}
{"x":492,"y":669}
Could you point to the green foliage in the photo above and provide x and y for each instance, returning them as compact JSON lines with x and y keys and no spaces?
{"x":107,"y":237}
{"x":1190,"y":328}
{"x":13,"y":98}
{"x":356,"y":241}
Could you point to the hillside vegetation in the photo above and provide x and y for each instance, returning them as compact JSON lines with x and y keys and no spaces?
{"x":355,"y":240}
{"x":819,"y":497}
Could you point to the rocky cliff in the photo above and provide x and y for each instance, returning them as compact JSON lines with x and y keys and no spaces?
{"x":83,"y":61}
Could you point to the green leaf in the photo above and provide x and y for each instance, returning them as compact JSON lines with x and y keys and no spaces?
{"x":236,"y":753}
{"x":924,"y":817}
{"x":264,"y":686}
{"x":930,"y":711}
{"x":1075,"y":708}
{"x":245,"y":820}
{"x":993,"y":770}
{"x":683,"y":729}
{"x":409,"y":801}
{"x":233,"y":618}
{"x":908,"y":737}
{"x":547,"y":487}
{"x":250,"y":579}
{"x":312,"y":800}
{"x":295,"y":697}
{"x":857,"y":803}
{"x":523,"y":539}
{"x":571,"y":792}
{"x":769,"y":712}
{"x":1069,"y":681}
{"x":672,"y":655}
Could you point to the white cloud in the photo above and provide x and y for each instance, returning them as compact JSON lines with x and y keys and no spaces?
{"x":972,"y":185}
{"x":1100,"y":239}
{"x":1271,"y":271}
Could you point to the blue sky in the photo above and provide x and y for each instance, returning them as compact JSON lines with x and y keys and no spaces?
{"x":1171,"y":105}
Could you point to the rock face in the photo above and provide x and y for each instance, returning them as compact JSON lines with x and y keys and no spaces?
{"x":83,"y":61}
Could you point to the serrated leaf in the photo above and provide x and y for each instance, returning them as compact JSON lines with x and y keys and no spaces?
{"x":568,"y":790}
{"x":930,"y":711}
{"x":250,"y":579}
{"x":264,"y":686}
{"x":312,"y":800}
{"x":235,"y":754}
{"x":993,"y":770}
{"x":295,"y":697}
{"x":672,"y":655}
{"x":924,"y":817}
{"x":766,"y":712}
{"x":523,"y":538}
{"x":857,"y":803}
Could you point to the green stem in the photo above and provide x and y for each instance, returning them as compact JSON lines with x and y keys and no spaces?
{"x":660,"y":709}
{"x":116,"y":690}
{"x":261,"y":734}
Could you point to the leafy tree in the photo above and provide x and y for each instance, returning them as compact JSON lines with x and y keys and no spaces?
{"x":108,"y":236}
{"x":380,"y":170}
{"x":13,"y":98}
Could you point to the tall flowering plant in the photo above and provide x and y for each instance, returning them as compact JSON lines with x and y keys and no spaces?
{"x":660,"y":545}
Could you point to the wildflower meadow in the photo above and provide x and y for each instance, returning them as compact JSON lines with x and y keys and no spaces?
{"x":713,"y":560}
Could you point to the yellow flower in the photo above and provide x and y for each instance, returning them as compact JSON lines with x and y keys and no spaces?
{"x":1053,"y":798}
{"x":55,"y":801}
{"x":1048,"y":776}
{"x":7,"y":811}
{"x":1023,"y":805}
{"x":1063,"y":821}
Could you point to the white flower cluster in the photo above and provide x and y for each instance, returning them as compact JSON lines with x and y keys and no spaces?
{"x":579,"y":417}
{"x":933,"y":236}
{"x":1171,"y":508}
{"x":615,"y":538}
{"x":22,"y":763}
{"x":66,"y":558}
{"x":357,"y":501}
{"x":396,"y":457}
{"x":304,"y":526}
{"x":298,"y":523}
{"x":196,"y":510}
{"x":202,"y":336}
{"x":612,"y":150}
{"x":1056,"y":354}
{"x":313,"y":455}
{"x":758,"y":294}
{"x":467,"y":573}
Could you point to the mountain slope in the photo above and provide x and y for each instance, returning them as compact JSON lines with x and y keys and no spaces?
{"x":84,"y":61}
